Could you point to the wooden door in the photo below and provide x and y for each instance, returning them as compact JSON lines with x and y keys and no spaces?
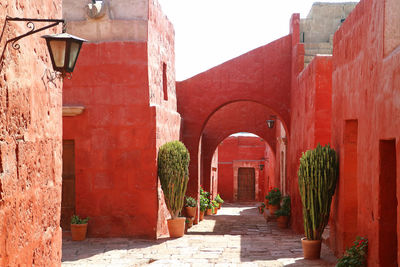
{"x":246,"y":184}
{"x":68,"y":184}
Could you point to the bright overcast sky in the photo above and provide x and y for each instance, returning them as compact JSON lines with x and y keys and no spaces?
{"x":210,"y":32}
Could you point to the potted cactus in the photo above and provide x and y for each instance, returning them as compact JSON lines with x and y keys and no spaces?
{"x":173,"y":170}
{"x":318,"y":174}
{"x":203,"y":206}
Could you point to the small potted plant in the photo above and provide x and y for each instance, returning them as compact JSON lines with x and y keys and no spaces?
{"x":188,"y":223}
{"x":203,"y":206}
{"x":215,"y":206}
{"x":210,"y":208}
{"x":283,"y":213}
{"x":219,"y":200}
{"x":274,"y":199}
{"x":355,"y":256}
{"x":190,"y":206}
{"x":78,"y":228}
{"x":261,"y":208}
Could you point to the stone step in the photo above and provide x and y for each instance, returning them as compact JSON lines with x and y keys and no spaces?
{"x":318,"y":51}
{"x":317,"y":45}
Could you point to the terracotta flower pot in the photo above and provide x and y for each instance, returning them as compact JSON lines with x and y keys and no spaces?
{"x":283,"y":221}
{"x":190,"y":211}
{"x":201,"y":215}
{"x":78,"y":231}
{"x":273,"y":208}
{"x":195,"y":221}
{"x":209,"y":212}
{"x":176,"y":227}
{"x":215,"y":211}
{"x":266,"y":203}
{"x":311,"y":248}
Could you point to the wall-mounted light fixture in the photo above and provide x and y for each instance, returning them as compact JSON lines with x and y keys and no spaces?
{"x":261,"y":166}
{"x":271,"y":121}
{"x":63,"y":48}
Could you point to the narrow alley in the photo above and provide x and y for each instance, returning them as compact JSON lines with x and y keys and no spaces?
{"x":237,"y":236}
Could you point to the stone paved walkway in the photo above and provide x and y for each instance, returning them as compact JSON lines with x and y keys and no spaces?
{"x":237,"y":236}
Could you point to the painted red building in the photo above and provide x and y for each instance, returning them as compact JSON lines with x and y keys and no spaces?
{"x":123,"y":103}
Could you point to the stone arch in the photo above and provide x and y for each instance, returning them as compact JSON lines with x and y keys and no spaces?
{"x":262,"y":76}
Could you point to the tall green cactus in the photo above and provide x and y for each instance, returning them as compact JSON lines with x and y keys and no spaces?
{"x":318,"y":174}
{"x":173,"y":170}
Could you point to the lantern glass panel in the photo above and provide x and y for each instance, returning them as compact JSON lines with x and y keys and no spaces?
{"x":73,"y":55}
{"x":58,"y":49}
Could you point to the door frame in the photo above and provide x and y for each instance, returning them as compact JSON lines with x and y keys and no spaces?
{"x":246,"y":164}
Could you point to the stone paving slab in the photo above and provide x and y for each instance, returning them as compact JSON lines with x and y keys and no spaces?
{"x":236,"y":236}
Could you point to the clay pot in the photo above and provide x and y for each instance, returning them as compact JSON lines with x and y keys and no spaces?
{"x":273,"y":208}
{"x":176,"y":227}
{"x":209,"y":212}
{"x":283,"y":221}
{"x":215,"y":211}
{"x":78,"y":231}
{"x":266,"y":203}
{"x":195,"y":221}
{"x":311,"y":248}
{"x":201,"y":216}
{"x":190,"y":211}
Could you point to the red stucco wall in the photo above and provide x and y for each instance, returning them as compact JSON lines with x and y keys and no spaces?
{"x":30,"y":143}
{"x":241,"y":151}
{"x":126,"y":120}
{"x":365,"y":87}
{"x":310,"y":124}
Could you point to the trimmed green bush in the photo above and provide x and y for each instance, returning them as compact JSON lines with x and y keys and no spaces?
{"x":173,"y":170}
{"x":318,"y":174}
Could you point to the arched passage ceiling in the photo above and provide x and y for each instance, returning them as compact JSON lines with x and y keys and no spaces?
{"x":242,"y":116}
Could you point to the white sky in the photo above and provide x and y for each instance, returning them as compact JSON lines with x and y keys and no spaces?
{"x":210,"y":32}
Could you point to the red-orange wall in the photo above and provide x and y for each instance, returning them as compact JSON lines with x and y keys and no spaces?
{"x":310,"y":124}
{"x":30,"y":141}
{"x":238,"y":150}
{"x":126,"y":120}
{"x":365,"y":85}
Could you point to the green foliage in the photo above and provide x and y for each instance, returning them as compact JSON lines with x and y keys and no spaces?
{"x":285,"y":208}
{"x":203,"y":203}
{"x":173,"y":170}
{"x":219,"y":199}
{"x":76,"y":220}
{"x":274,"y":196}
{"x":356,"y":255}
{"x":318,"y":174}
{"x":190,"y":202}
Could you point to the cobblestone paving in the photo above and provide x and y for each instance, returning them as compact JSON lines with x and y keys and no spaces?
{"x":237,"y":236}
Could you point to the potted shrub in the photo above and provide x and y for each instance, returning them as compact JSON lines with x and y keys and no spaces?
{"x":261,"y":208}
{"x":219,"y":200}
{"x":173,"y":170}
{"x":78,"y":228}
{"x":283,"y":213}
{"x":203,"y":206}
{"x":318,"y":174}
{"x":210,"y":208}
{"x":274,"y":199}
{"x":188,"y":223}
{"x":190,"y":206}
{"x":215,"y":206}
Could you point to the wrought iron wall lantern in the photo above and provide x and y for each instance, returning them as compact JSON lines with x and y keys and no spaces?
{"x":271,"y":121}
{"x":63,"y":48}
{"x":261,"y":166}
